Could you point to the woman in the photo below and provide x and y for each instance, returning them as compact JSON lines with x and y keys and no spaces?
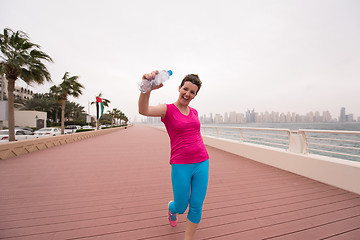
{"x":189,"y":158}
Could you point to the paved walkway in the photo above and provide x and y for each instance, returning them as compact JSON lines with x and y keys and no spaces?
{"x":117,"y":186}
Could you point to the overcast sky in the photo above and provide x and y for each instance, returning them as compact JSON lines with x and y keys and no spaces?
{"x":283,"y":56}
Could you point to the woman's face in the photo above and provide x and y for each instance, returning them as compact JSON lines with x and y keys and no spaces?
{"x":187,"y":92}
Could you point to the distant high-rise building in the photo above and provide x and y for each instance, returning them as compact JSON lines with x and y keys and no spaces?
{"x":250,"y":116}
{"x":226,"y":118}
{"x":317,"y":117}
{"x":232,"y":117}
{"x":282,"y":118}
{"x":153,"y":120}
{"x":345,"y":117}
{"x":265,"y":117}
{"x":326,"y":116}
{"x":288,"y":117}
{"x":218,"y":118}
{"x":310,"y":117}
{"x":240,"y":118}
{"x":275,"y":117}
{"x":342,"y":117}
{"x":350,"y":118}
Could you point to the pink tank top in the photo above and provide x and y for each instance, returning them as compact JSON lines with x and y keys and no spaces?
{"x":187,"y":145}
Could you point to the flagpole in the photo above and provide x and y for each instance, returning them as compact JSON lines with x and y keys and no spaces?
{"x":99,"y":111}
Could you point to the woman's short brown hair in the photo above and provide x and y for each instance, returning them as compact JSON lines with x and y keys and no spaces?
{"x":193,"y":78}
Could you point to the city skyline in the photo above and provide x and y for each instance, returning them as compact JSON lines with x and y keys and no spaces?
{"x":251,"y":116}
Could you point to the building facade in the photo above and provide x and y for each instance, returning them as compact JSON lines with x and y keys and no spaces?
{"x":22,"y":89}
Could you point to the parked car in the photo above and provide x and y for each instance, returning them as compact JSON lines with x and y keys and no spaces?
{"x":27,"y":128}
{"x":43,"y":132}
{"x":71,"y":128}
{"x":87,"y":127}
{"x":20,"y":134}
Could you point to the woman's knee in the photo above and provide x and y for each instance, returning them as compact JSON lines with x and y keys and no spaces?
{"x":194,"y":214}
{"x":181,"y":207}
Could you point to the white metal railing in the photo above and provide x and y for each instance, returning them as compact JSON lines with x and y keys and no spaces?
{"x":340,"y":144}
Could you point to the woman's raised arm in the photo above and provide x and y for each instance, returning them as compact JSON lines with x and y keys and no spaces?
{"x":144,"y":108}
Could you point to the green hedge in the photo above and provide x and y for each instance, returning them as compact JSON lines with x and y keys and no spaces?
{"x":84,"y":130}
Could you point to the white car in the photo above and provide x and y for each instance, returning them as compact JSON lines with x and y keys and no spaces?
{"x":44,"y":132}
{"x":87,"y":127}
{"x":20,"y":134}
{"x":71,"y":129}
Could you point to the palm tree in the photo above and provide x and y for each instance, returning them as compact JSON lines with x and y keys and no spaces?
{"x":75,"y":111}
{"x":105,"y":102}
{"x":117,"y":115}
{"x":20,"y":59}
{"x":120,"y":116}
{"x":114,"y":113}
{"x":44,"y":102}
{"x":69,"y":87}
{"x":123,"y":117}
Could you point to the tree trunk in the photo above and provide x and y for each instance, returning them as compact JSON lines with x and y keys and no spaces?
{"x":57,"y":116}
{"x":63,"y":116}
{"x":11,"y":115}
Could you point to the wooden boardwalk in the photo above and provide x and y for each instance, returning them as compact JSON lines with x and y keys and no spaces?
{"x":117,"y":186}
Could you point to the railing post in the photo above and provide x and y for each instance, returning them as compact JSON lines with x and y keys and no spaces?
{"x":241,"y":135}
{"x":297,"y":142}
{"x":306,"y":144}
{"x":289,"y":137}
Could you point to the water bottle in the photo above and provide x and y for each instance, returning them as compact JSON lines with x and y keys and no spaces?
{"x":146,"y":85}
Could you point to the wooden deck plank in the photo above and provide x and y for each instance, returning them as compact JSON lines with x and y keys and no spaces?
{"x":351,"y":234}
{"x":117,"y":186}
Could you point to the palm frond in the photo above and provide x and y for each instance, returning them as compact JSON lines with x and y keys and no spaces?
{"x":36,"y":54}
{"x":68,"y":87}
{"x":23,"y":58}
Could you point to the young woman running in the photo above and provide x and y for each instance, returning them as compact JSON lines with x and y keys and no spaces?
{"x":189,"y":159}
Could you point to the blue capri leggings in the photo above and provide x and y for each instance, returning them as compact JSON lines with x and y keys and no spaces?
{"x":189,"y":182}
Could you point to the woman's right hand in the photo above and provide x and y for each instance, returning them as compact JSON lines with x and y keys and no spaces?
{"x":151,"y":77}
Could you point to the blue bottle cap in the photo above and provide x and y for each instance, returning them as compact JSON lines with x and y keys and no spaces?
{"x":170,"y":72}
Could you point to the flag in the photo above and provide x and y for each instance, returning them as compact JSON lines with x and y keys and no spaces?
{"x":99,"y":108}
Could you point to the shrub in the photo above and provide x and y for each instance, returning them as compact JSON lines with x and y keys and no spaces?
{"x":83,"y":130}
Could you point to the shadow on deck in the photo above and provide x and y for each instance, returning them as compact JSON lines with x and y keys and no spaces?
{"x":117,"y":186}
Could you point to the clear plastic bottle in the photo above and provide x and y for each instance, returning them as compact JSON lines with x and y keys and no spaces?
{"x":146,"y":85}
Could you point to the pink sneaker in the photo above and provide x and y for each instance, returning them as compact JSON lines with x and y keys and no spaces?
{"x":172,"y":217}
